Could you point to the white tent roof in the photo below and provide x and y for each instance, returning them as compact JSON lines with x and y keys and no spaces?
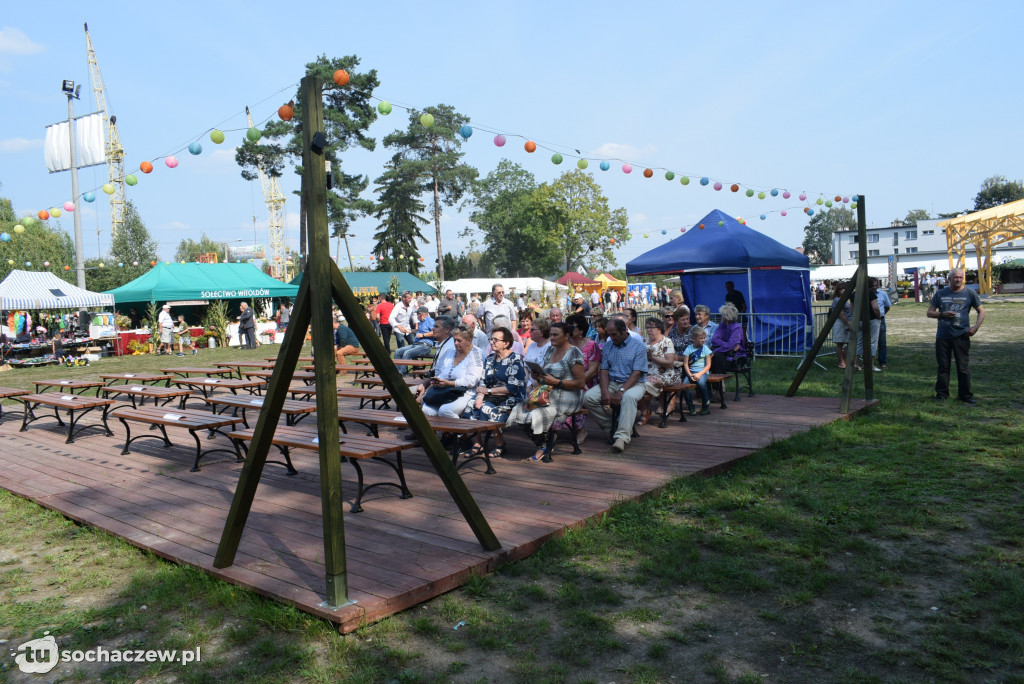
{"x":44,"y":290}
{"x":520,"y":285}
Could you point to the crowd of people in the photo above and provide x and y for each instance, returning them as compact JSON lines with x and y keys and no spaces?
{"x":500,"y":359}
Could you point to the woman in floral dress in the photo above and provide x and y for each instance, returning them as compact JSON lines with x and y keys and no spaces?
{"x":503,"y":386}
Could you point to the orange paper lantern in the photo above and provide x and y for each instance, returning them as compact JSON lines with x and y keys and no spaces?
{"x":734,"y":187}
{"x":146,"y":167}
{"x":67,"y":268}
{"x":701,"y":226}
{"x":43,"y":214}
{"x":839,"y":198}
{"x":530,"y":146}
{"x":612,"y":241}
{"x":341,"y":77}
{"x":152,"y":263}
{"x":648,"y":173}
{"x":286,"y":112}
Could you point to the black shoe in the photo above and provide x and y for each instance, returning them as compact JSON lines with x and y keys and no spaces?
{"x":968,"y":400}
{"x":611,"y":439}
{"x":940,"y":398}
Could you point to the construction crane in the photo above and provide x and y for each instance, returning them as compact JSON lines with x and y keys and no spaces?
{"x":113,"y":150}
{"x":274,"y":198}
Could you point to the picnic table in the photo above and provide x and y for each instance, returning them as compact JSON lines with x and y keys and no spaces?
{"x":378,"y":382}
{"x":237,"y":366}
{"x":143,"y":392}
{"x":143,"y":378}
{"x":364,"y":395}
{"x":10,"y":393}
{"x":305,"y":376}
{"x":293,"y":410}
{"x":193,"y":421}
{"x":459,"y":427}
{"x":352,"y":449}
{"x":189,"y":371}
{"x":69,"y":386}
{"x":207,"y":385}
{"x":71,"y":403}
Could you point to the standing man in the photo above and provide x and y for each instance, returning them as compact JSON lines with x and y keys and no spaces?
{"x":623,"y":367}
{"x":166,"y":325}
{"x":403,"y":320}
{"x":497,"y":305}
{"x":952,"y":306}
{"x":451,"y":306}
{"x":735,"y":297}
{"x":284,"y":315}
{"x":595,"y":299}
{"x":246,"y":327}
{"x":884,"y":304}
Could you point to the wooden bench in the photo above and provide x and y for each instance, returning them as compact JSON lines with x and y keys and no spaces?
{"x":352,"y":449}
{"x":667,"y":392}
{"x":168,"y":394}
{"x":207,"y":385}
{"x":68,"y":386}
{"x":378,"y":382}
{"x":293,"y":410}
{"x":189,"y":371}
{"x":573,"y":433}
{"x":364,"y":395}
{"x":10,"y":393}
{"x":718,"y":379}
{"x":307,"y":377}
{"x":237,"y":366}
{"x":134,"y":378}
{"x":67,"y":402}
{"x":193,"y":421}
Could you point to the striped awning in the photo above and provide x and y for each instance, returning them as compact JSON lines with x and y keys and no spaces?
{"x":44,"y":290}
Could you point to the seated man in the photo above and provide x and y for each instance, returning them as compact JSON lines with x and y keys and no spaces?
{"x":345,"y":342}
{"x":623,"y":367}
{"x":424,"y":339}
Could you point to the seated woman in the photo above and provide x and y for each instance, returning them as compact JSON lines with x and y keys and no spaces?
{"x":539,"y":334}
{"x":695,"y":365}
{"x":600,"y":325}
{"x":449,"y":392}
{"x":661,"y":367}
{"x":727,"y":343}
{"x":679,"y":333}
{"x":591,"y":365}
{"x":503,"y":386}
{"x":504,"y":322}
{"x":562,"y":372}
{"x":703,"y":316}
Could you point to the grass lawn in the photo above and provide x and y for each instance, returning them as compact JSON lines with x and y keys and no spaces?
{"x":886,"y":548}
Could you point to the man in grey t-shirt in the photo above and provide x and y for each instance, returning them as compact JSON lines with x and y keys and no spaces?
{"x":952,"y":307}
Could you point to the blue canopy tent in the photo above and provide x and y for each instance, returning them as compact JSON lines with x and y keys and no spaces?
{"x":774,"y":279}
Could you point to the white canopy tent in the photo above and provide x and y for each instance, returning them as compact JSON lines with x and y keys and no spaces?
{"x":43,"y":290}
{"x":483,"y":286}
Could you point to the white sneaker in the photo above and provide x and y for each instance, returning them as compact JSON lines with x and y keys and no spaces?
{"x":876,"y":369}
{"x":619,"y":446}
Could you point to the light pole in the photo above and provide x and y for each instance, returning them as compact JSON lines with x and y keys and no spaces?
{"x":69,"y":89}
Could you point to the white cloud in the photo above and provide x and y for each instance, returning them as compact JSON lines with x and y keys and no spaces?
{"x":15,"y":145}
{"x":14,"y":42}
{"x":624,"y":152}
{"x":638,"y":218}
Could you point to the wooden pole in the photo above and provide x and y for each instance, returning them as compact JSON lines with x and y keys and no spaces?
{"x":862,"y":286}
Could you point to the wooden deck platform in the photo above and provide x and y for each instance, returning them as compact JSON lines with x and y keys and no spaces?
{"x":399,"y":552}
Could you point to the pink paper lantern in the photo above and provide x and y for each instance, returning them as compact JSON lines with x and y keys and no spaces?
{"x":627,"y":168}
{"x":786,"y":195}
{"x":717,"y":186}
{"x":499,"y":140}
{"x":69,"y":206}
{"x":171,"y":162}
{"x":803,"y":196}
{"x":846,"y":200}
{"x":783,"y":212}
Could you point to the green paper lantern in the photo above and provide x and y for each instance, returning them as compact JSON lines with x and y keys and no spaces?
{"x":819,"y":201}
{"x":384,"y":107}
{"x":427,"y":120}
{"x":646,"y":235}
{"x":721,"y":223}
{"x":131,"y":179}
{"x":556,"y":158}
{"x":853,"y":205}
{"x":217,"y":136}
{"x":684,"y":180}
{"x":582,"y":164}
{"x":629,"y":236}
{"x":253,"y":134}
{"x":19,"y":229}
{"x":28,"y":221}
{"x":750,"y":193}
{"x":828,"y":203}
{"x":760,"y":195}
{"x":669,"y":175}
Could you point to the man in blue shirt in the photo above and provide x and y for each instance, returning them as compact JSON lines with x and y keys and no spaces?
{"x":345,"y":342}
{"x":884,"y":304}
{"x":424,"y":339}
{"x":623,"y":367}
{"x":952,"y":306}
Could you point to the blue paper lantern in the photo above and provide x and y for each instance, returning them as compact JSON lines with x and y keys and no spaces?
{"x":466,"y":131}
{"x":89,"y":197}
{"x":810,"y":212}
{"x":29,"y":264}
{"x":855,"y":198}
{"x":195,"y":147}
{"x":763,"y":217}
{"x":775,"y":192}
{"x":605,"y":165}
{"x":664,"y":232}
{"x":5,"y":237}
{"x":705,"y":180}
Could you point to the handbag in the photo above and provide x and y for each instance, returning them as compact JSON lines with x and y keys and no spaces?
{"x":539,"y":397}
{"x":439,"y":396}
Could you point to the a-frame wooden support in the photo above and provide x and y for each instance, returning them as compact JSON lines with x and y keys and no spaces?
{"x":322,"y":282}
{"x":859,"y":324}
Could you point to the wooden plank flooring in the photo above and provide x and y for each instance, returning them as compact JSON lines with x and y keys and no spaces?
{"x":399,"y":552}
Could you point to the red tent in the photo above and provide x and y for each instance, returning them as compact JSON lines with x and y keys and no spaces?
{"x":573,"y":278}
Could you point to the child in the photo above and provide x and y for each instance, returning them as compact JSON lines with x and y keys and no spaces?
{"x":184,"y":337}
{"x":696,"y":366}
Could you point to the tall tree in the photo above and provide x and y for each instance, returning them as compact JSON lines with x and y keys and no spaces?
{"x":348,"y":113}
{"x":915,"y":215}
{"x":585,"y":229}
{"x":399,"y":210}
{"x":433,"y":155}
{"x":819,"y":231}
{"x":996,"y":191}
{"x":38,"y":245}
{"x":188,"y":249}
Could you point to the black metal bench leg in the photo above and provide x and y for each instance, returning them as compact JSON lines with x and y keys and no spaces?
{"x":357,"y":507}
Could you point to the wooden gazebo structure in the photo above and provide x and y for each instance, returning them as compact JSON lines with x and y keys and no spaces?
{"x":985,"y":230}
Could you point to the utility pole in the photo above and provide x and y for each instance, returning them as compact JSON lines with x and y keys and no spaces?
{"x":69,"y":89}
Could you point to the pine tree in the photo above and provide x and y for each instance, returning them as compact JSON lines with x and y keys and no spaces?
{"x":399,"y":211}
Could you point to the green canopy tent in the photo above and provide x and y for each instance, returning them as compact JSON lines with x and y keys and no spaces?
{"x":202,"y":282}
{"x":381,"y":280}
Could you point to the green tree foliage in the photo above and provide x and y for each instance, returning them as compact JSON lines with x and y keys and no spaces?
{"x":188,"y":249}
{"x":819,"y":230}
{"x":579,"y":219}
{"x":399,"y":210}
{"x":39,"y":244}
{"x":471,"y":264}
{"x":915,"y":215}
{"x":996,"y":191}
{"x":348,"y":113}
{"x":433,"y":156}
{"x":133,"y":247}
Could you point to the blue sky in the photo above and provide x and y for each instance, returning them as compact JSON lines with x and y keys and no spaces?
{"x":912,"y":104}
